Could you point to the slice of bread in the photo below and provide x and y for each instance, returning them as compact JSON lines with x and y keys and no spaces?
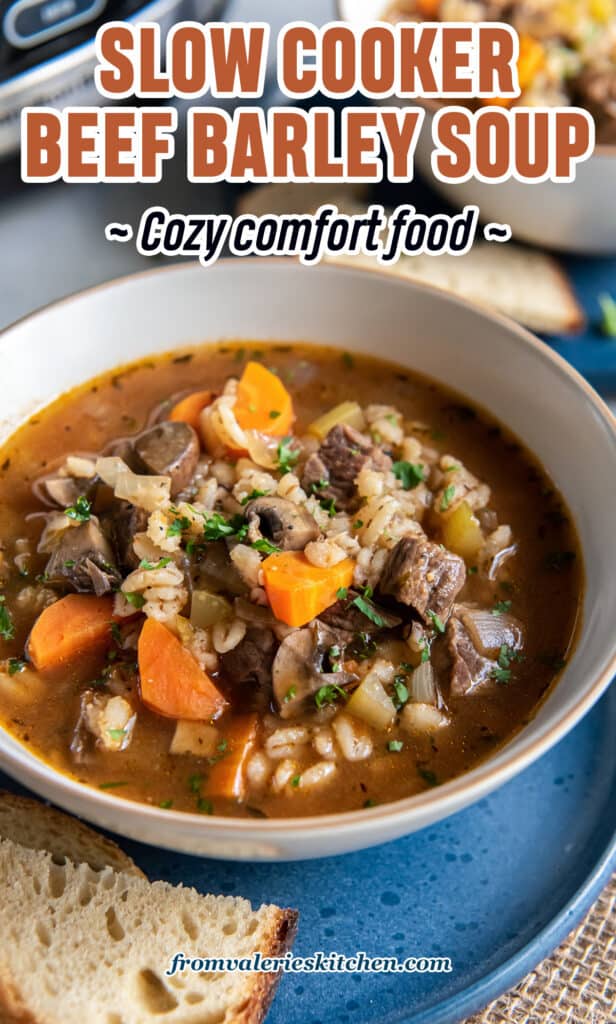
{"x":40,"y":827}
{"x":525,"y":284}
{"x":85,"y":947}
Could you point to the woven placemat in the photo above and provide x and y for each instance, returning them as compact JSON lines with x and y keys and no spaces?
{"x":576,"y":985}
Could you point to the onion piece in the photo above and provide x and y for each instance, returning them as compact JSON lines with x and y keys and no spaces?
{"x":347,"y":413}
{"x":144,"y":491}
{"x":423,"y":685}
{"x":371,"y":702}
{"x":490,"y":632}
{"x":255,"y":614}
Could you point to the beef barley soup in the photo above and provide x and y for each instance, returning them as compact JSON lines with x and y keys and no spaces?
{"x":278,"y":581}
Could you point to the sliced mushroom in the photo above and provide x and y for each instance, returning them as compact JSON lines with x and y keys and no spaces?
{"x":125,"y":521}
{"x":62,"y":490}
{"x":285,"y":524}
{"x":169,"y":449}
{"x":84,"y":560}
{"x":298,"y":669}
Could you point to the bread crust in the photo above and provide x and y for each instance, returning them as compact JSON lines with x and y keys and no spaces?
{"x":49,"y":820}
{"x":280,"y":939}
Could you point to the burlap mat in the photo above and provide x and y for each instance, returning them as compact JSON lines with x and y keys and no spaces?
{"x":576,"y":985}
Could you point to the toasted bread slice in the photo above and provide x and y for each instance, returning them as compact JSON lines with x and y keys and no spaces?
{"x":523,"y":283}
{"x":40,"y":827}
{"x":78,"y":945}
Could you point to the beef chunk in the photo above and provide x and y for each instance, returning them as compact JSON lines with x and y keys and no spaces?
{"x":287,"y":525}
{"x":251,"y":661}
{"x":468,"y":667}
{"x":84,"y":561}
{"x":332,"y":471}
{"x":125,"y":521}
{"x":169,"y":449}
{"x":345,"y":616}
{"x":423,"y":576}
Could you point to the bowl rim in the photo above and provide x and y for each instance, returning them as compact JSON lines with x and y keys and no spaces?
{"x":601,"y":148}
{"x":447,"y":798}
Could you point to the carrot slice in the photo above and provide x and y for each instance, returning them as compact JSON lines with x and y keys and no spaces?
{"x":189,"y":409}
{"x":263,"y":403}
{"x":172,"y":683}
{"x":298,"y":591}
{"x":226,"y":778}
{"x":74,"y":625}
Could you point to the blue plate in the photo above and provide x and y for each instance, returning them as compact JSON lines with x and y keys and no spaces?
{"x":495,"y":888}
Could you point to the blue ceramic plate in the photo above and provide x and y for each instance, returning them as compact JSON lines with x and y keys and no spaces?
{"x":495,"y":888}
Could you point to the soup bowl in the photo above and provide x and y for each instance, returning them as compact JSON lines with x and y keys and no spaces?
{"x":577,"y":216}
{"x":486,"y":358}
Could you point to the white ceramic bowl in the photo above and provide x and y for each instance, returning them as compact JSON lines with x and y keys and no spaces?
{"x":577,"y":216}
{"x":487,"y":358}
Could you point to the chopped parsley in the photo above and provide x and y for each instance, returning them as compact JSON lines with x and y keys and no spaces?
{"x":342,"y":593}
{"x":365,"y":605}
{"x":501,"y":608}
{"x":166,"y":804}
{"x":7,"y":627}
{"x":16,"y":665}
{"x":80,"y":511}
{"x":177,"y":527}
{"x":290,"y":694}
{"x":608,"y":315}
{"x":357,"y":525}
{"x":274,"y":414}
{"x":144,"y":564}
{"x":363,"y":646}
{"x":328,"y":505}
{"x":395,"y":746}
{"x":501,"y":675}
{"x":116,"y":633}
{"x":428,"y":776}
{"x":348,"y":360}
{"x":506,"y":655}
{"x":318,"y":485}
{"x":222,"y":746}
{"x":295,"y":781}
{"x":116,"y":734}
{"x":436,"y":622}
{"x":329,"y":694}
{"x":401,"y":692}
{"x":446,"y":497}
{"x":264,"y":545}
{"x":205,"y":806}
{"x":254,"y":494}
{"x":287,"y":455}
{"x":69,"y":564}
{"x":472,"y":569}
{"x":216,"y":526}
{"x":370,"y":803}
{"x":111,"y":785}
{"x":335,"y":655}
{"x":409,"y":474}
{"x":195,"y":782}
{"x":137,"y":600}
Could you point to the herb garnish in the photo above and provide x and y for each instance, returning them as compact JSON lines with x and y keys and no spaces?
{"x":290,"y":694}
{"x":328,"y":505}
{"x":436,"y":622}
{"x":166,"y":804}
{"x":264,"y":545}
{"x":16,"y":665}
{"x":335,"y":655}
{"x":7,"y":628}
{"x":144,"y":564}
{"x":205,"y":806}
{"x":446,"y":497}
{"x":274,"y":414}
{"x":295,"y":781}
{"x":401,"y":693}
{"x":329,"y":694}
{"x":428,"y":776}
{"x":348,"y":360}
{"x":287,"y":455}
{"x":136,"y":599}
{"x":365,"y":605}
{"x":409,"y":474}
{"x":357,"y":525}
{"x":80,"y":511}
{"x":395,"y":746}
{"x":342,"y":593}
{"x":195,"y":782}
{"x":116,"y":734}
{"x":111,"y":785}
{"x":254,"y":494}
{"x":501,"y":607}
{"x":177,"y":527}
